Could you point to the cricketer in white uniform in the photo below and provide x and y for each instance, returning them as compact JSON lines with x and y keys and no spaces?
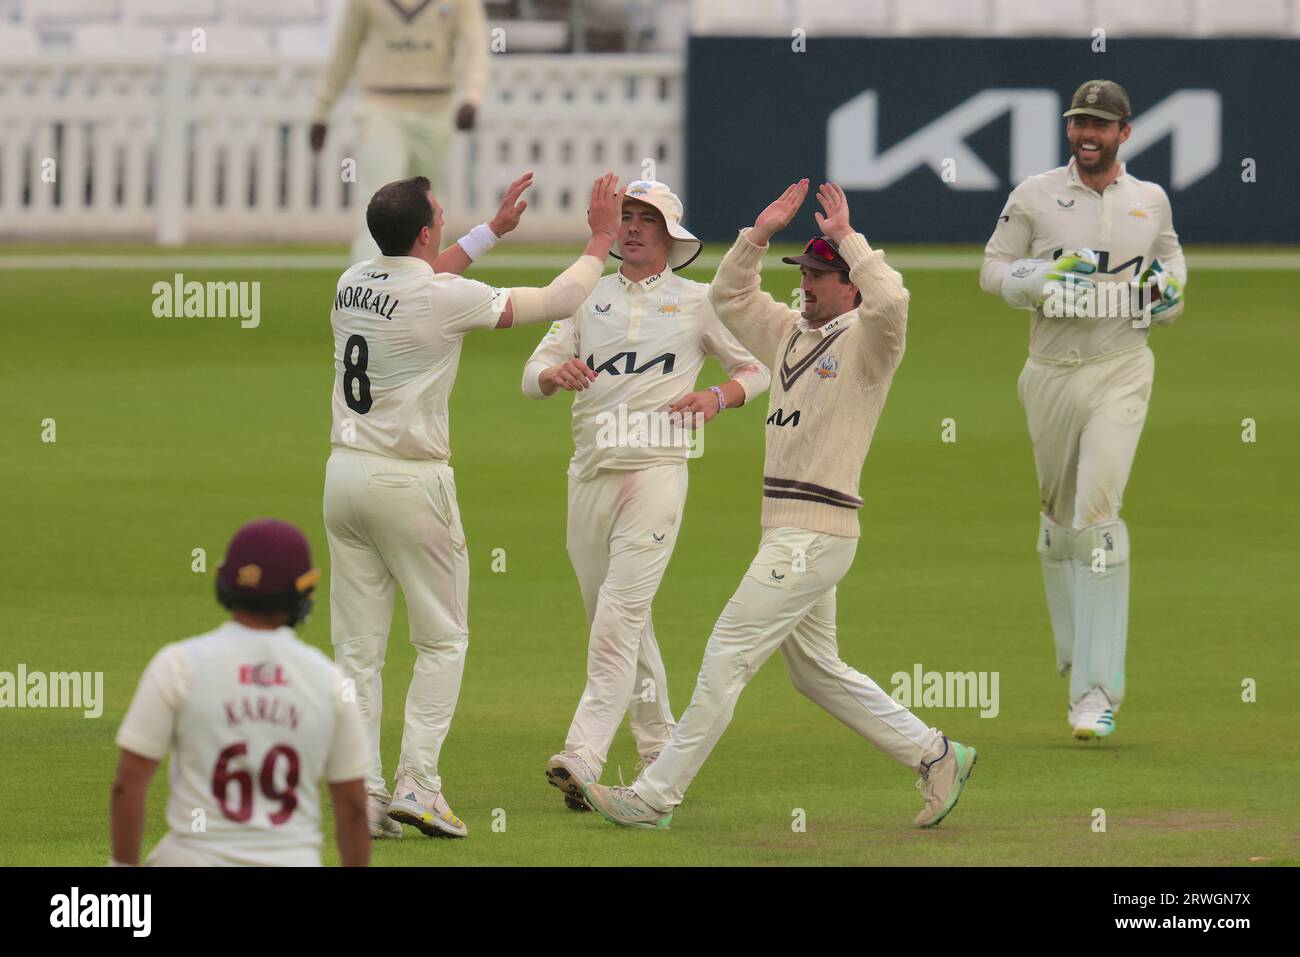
{"x":632,"y":353}
{"x":413,"y":60}
{"x":1091,"y":251}
{"x":391,"y":515}
{"x":833,"y":363}
{"x":254,"y":720}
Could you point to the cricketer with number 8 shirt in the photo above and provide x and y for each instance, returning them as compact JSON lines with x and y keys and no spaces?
{"x":391,"y":513}
{"x":1092,"y":251}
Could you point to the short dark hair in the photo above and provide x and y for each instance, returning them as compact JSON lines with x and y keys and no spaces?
{"x":844,"y":278}
{"x":397,"y":213}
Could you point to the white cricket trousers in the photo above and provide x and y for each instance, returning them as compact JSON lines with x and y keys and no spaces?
{"x":786,"y":600}
{"x":395,"y":144}
{"x":390,"y":523}
{"x":621,"y":531}
{"x":1085,"y":420}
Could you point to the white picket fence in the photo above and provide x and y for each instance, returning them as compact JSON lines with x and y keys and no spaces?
{"x":202,"y":149}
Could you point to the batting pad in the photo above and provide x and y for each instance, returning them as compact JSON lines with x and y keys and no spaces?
{"x":1056,"y":554}
{"x":1101,"y":585}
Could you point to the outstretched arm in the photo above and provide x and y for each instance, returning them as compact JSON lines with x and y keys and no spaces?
{"x":883,"y":309}
{"x":570,"y":289}
{"x":475,"y":244}
{"x":753,"y":316}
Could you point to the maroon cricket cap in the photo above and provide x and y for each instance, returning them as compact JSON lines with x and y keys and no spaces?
{"x":820,"y":254}
{"x":268,"y":557}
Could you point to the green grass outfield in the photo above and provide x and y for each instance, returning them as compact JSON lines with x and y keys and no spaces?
{"x":172,"y":432}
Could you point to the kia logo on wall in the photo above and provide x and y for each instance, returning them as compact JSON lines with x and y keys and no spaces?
{"x":1190,"y":118}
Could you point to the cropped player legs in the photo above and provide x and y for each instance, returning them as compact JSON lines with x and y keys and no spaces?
{"x":382,"y":157}
{"x":590,"y":519}
{"x":1107,"y":447}
{"x":428,"y":137}
{"x":361,"y":601}
{"x":645,"y":507}
{"x":771,"y":600}
{"x":812,"y":659}
{"x":650,"y":716}
{"x":1048,"y":394}
{"x":430,"y":560}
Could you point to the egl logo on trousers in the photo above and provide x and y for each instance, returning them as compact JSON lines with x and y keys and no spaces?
{"x":1191,"y":118}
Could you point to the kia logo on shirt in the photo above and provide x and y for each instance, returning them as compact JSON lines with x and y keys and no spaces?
{"x":630,"y":367}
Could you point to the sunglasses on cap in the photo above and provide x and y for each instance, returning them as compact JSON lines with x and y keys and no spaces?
{"x":822,"y":249}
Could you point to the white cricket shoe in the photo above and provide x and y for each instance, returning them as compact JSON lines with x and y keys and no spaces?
{"x":381,"y":825}
{"x":426,"y":810}
{"x":1093,"y":716}
{"x":569,"y":772}
{"x":942,"y":780}
{"x":626,"y":808}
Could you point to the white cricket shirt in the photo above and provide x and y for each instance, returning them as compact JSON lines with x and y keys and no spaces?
{"x":408,"y":54}
{"x":398,"y":328}
{"x":254,"y":720}
{"x":1127,"y":225}
{"x":647,"y":340}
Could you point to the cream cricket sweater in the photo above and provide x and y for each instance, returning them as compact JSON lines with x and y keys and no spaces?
{"x":828,"y":384}
{"x":412,"y":54}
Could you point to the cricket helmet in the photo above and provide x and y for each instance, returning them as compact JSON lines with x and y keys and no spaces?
{"x":268,"y":569}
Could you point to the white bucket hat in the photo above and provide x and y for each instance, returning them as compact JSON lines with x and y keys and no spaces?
{"x":685,"y":247}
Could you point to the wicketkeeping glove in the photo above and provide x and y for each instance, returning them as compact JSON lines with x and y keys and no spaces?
{"x":1029,"y":282}
{"x":1163,"y":290}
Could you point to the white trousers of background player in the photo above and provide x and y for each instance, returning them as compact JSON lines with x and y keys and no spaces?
{"x":1085,"y":421}
{"x":389,"y":523}
{"x":779,"y":606}
{"x":395,"y":144}
{"x":622,"y":529}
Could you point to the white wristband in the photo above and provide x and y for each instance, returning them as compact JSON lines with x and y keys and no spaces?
{"x":478,"y":241}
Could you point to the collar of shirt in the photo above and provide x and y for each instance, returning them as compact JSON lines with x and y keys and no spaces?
{"x":826,"y":328}
{"x":1072,"y":175}
{"x":657,"y":279}
{"x":403,"y":262}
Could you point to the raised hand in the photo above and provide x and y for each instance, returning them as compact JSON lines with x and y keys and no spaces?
{"x":512,"y":207}
{"x":779,"y":213}
{"x":835,"y":223}
{"x":606,"y":209}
